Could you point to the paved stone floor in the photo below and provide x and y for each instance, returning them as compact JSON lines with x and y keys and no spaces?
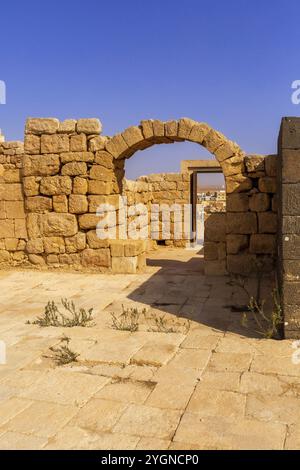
{"x":200,"y":382}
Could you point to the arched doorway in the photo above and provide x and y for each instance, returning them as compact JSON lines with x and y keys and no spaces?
{"x":229,"y":158}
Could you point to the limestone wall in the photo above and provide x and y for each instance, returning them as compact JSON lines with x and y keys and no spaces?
{"x":158,"y":190}
{"x":68,"y":169}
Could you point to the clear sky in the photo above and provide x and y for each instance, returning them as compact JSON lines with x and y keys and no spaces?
{"x":229,"y":63}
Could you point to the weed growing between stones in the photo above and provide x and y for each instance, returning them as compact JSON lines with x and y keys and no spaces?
{"x":268,"y":324}
{"x":128,"y":320}
{"x":54,"y":317}
{"x":63,"y":354}
{"x":163,"y":325}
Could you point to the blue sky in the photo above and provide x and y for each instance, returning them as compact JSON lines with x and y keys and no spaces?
{"x":230,"y":64}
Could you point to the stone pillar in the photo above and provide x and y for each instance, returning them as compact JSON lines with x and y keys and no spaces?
{"x":289,"y":224}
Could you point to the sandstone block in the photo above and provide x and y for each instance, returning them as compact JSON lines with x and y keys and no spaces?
{"x":32,"y":144}
{"x":97,"y":143}
{"x":105,"y":159}
{"x":100,"y":173}
{"x":7,"y":229}
{"x":127,"y":265}
{"x":69,"y":157}
{"x":259,"y":202}
{"x":89,"y":126}
{"x":291,"y":224}
{"x":80,"y":185}
{"x":68,"y":126}
{"x":14,"y":209}
{"x":41,"y":126}
{"x":213,"y":140}
{"x":76,"y":243}
{"x":74,"y":169}
{"x":215,"y":227}
{"x":236,"y":243}
{"x":55,"y":185}
{"x":78,"y":204}
{"x":267,"y":222}
{"x":171,"y":129}
{"x":233,"y":166}
{"x":4,"y":256}
{"x":134,"y":247}
{"x":11,"y":192}
{"x":60,"y":203}
{"x":238,"y":202}
{"x":185,"y":126}
{"x":30,"y":186}
{"x":88,"y":221}
{"x":116,"y":146}
{"x":35,"y":246}
{"x":99,"y":187}
{"x":12,"y":176}
{"x":241,"y":223}
{"x":290,"y":166}
{"x":290,"y":199}
{"x":37,"y":260}
{"x":78,"y":143}
{"x":54,"y":245}
{"x":38,"y":204}
{"x":33,"y":225}
{"x":53,"y":260}
{"x":95,"y":242}
{"x":55,"y":143}
{"x":54,"y":224}
{"x":267,"y":184}
{"x":96,"y":201}
{"x":70,"y":259}
{"x":198,"y":132}
{"x":255,"y":163}
{"x":271,"y":164}
{"x":117,"y":248}
{"x":147,"y":128}
{"x":210,"y":251}
{"x":133,"y":136}
{"x":14,"y":244}
{"x":41,"y":165}
{"x":96,"y":258}
{"x":238,"y":184}
{"x":20,"y":228}
{"x":262,"y":243}
{"x":226,"y":150}
{"x":158,"y":129}
{"x":291,"y":247}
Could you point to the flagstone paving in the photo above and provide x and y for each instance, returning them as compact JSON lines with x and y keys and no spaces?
{"x":191,"y":377}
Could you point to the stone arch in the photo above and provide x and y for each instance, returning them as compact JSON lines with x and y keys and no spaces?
{"x":151,"y":132}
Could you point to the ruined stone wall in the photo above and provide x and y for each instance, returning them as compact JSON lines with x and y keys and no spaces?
{"x":50,"y":194}
{"x":251,"y":218}
{"x":13,"y":233}
{"x":161,"y":189}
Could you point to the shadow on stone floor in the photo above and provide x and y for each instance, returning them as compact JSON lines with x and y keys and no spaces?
{"x":180,"y":288}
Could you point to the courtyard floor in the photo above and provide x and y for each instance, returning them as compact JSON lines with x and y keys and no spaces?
{"x":191,"y":377}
